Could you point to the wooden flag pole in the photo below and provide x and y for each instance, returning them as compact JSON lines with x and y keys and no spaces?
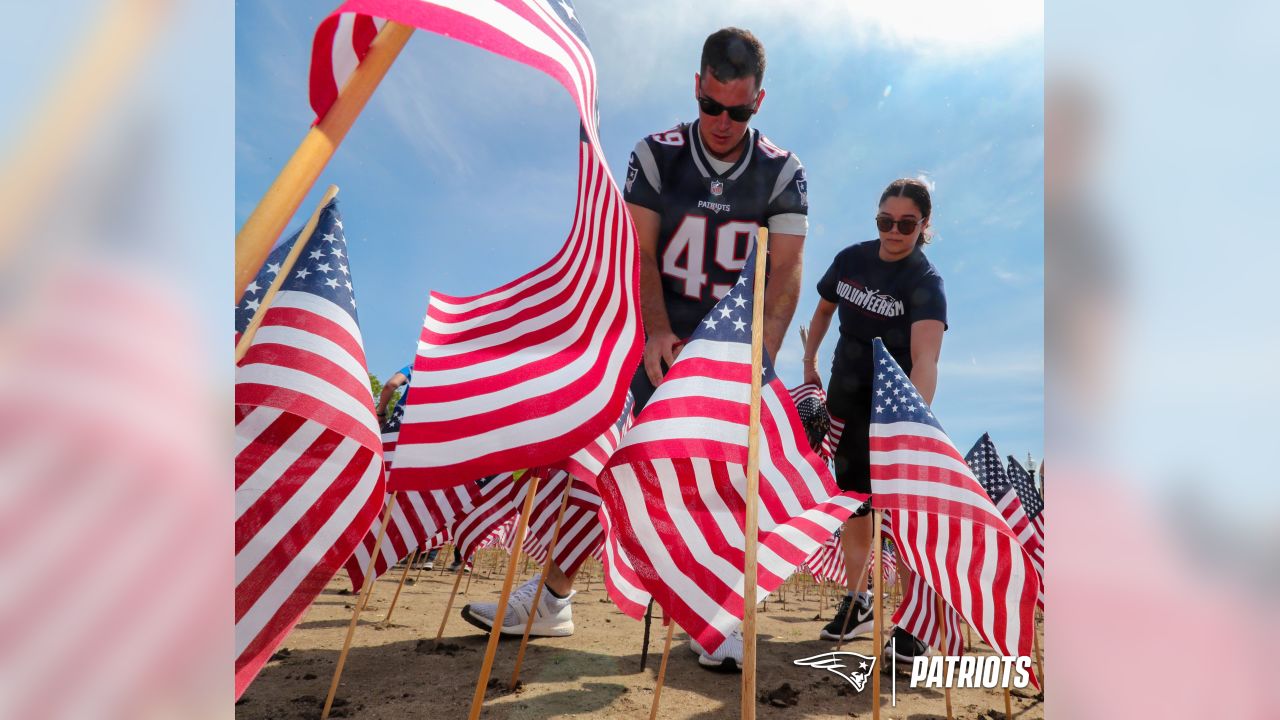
{"x":86,"y":86}
{"x":457,"y":580}
{"x":482,"y":683}
{"x":422,"y":568}
{"x":1035,"y":643}
{"x":299,"y":174}
{"x":751,"y":529}
{"x":878,"y":612}
{"x":359,"y":608}
{"x":662,"y":668}
{"x":1008,"y":704}
{"x":942,"y":634}
{"x":246,"y":338}
{"x":542,"y":582}
{"x":396,"y":598}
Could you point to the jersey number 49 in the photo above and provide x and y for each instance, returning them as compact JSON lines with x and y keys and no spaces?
{"x":686,"y":254}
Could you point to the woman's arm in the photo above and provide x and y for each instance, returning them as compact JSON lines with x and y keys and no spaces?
{"x":818,"y":325}
{"x":926,"y":347}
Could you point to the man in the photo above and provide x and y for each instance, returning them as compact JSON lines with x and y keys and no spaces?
{"x":697,"y":194}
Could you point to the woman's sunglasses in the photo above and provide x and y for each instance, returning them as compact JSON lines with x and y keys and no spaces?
{"x":737,"y":113}
{"x":906,"y":226}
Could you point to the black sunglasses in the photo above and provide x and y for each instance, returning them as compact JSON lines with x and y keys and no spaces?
{"x":906,"y":226}
{"x":737,"y":113}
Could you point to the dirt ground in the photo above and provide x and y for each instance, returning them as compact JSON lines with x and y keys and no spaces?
{"x":393,"y":672}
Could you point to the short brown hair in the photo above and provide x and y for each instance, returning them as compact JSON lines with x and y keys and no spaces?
{"x":732,"y":53}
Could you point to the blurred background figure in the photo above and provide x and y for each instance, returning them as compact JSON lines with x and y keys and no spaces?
{"x":114,"y":470}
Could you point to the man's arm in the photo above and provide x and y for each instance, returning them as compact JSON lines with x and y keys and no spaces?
{"x":660,"y":344}
{"x":389,"y":390}
{"x":782,"y":294}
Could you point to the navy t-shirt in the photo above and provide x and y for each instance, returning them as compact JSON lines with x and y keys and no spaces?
{"x":878,"y":299}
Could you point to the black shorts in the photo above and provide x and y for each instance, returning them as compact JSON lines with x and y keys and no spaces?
{"x":853,"y":455}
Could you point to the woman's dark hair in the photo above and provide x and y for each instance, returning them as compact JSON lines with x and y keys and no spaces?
{"x":917,"y":192}
{"x":733,"y":53}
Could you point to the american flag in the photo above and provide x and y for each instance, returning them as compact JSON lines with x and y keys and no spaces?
{"x":1033,"y":506}
{"x":421,"y":520}
{"x":918,"y":615}
{"x":827,"y":562}
{"x":888,"y":564}
{"x":531,"y":372}
{"x":308,"y":455}
{"x":580,"y":530}
{"x":501,"y":500}
{"x":676,"y":487}
{"x":984,"y":463}
{"x":1032,"y":503}
{"x":945,"y":527}
{"x":494,"y":507}
{"x":501,"y":537}
{"x":811,"y":406}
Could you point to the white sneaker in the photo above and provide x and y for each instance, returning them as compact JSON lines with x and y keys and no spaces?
{"x":726,"y":658}
{"x":554,"y":617}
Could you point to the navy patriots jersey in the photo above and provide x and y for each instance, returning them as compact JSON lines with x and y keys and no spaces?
{"x":709,"y":219}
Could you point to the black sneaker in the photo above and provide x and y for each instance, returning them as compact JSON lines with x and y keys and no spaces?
{"x":862,"y":622}
{"x":904,"y":646}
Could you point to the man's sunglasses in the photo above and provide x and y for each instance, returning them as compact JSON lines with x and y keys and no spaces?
{"x":906,"y":226}
{"x":737,"y":113}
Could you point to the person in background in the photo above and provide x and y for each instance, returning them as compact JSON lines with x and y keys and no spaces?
{"x":883,"y":288}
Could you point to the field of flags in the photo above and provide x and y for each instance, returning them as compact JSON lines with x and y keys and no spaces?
{"x":524,"y":389}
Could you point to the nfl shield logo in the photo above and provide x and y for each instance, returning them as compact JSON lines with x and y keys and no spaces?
{"x":717,"y":188}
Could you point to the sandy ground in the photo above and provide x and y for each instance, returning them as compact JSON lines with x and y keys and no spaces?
{"x":392,"y":672}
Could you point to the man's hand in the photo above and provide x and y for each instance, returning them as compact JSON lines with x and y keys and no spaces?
{"x":661,"y":346}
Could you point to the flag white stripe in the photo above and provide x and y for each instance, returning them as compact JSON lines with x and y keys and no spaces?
{"x":252,"y":425}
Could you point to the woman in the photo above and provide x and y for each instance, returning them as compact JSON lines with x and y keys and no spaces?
{"x":883,"y":288}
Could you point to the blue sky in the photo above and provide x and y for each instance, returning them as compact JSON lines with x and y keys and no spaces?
{"x":459,"y":175}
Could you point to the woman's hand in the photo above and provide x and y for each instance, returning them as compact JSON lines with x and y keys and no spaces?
{"x":811,"y":376}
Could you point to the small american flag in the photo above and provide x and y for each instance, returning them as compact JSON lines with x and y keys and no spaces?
{"x":676,"y":487}
{"x":984,"y":463}
{"x":501,"y":501}
{"x":811,"y":406}
{"x":945,"y":527}
{"x":494,"y":507}
{"x":580,"y":531}
{"x":1032,"y":503}
{"x":827,"y":562}
{"x":308,"y":455}
{"x":534,"y":371}
{"x":420,"y":520}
